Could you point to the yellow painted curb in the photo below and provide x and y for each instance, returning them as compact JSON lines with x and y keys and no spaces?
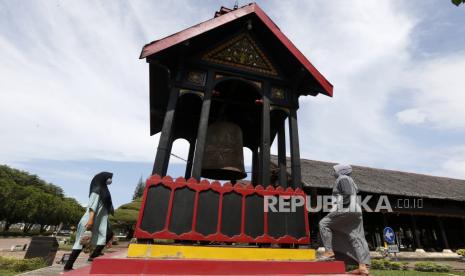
{"x":159,"y":251}
{"x":138,"y":250}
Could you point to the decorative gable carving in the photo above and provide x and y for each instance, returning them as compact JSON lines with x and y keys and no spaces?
{"x":241,"y":52}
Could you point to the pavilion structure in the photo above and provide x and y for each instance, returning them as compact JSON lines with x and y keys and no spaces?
{"x":224,"y":84}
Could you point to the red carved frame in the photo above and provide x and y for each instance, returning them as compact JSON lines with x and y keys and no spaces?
{"x":243,"y":190}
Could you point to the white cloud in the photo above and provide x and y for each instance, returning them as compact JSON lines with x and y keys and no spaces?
{"x":438,"y":87}
{"x":362,"y":48}
{"x":72,"y":86}
{"x":453,"y":168}
{"x":365,"y":50}
{"x":411,"y":116}
{"x":452,"y":161}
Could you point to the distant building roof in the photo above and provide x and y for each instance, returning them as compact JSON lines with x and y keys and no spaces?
{"x":318,"y":174}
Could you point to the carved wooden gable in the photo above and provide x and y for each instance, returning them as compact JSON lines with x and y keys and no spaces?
{"x":242,"y":52}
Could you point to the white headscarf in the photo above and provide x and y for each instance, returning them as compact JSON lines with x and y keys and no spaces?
{"x":344,"y":171}
{"x":341,"y":169}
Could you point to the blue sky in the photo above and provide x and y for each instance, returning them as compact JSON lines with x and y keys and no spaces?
{"x":74,"y":95}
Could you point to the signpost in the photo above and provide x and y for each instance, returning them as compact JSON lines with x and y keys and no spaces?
{"x":393,"y":248}
{"x":390,"y":238}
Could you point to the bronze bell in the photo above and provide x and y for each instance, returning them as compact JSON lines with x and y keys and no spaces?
{"x":223,"y":158}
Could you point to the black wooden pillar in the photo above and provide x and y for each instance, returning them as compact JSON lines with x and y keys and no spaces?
{"x":385,"y":220}
{"x":282,"y":154}
{"x":202,"y":130}
{"x":265,"y":144}
{"x":445,"y":243}
{"x":295,"y":152}
{"x":255,"y":167}
{"x":415,"y":233}
{"x":463,"y":224}
{"x":164,"y":145}
{"x":169,"y":148}
{"x":313,"y":197}
{"x":190,"y":159}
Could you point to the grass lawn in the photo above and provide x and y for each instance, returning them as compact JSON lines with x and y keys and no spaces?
{"x":412,"y":273}
{"x":12,"y":266}
{"x":4,"y":272}
{"x":65,"y":247}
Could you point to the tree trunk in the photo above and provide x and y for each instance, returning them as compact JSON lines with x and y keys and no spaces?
{"x":27,"y":227}
{"x":130,"y":234}
{"x":6,"y":227}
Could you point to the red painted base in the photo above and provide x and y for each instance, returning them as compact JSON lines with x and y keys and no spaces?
{"x":127,"y":266}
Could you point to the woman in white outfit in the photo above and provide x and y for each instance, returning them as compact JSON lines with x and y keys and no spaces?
{"x":342,"y":229}
{"x":95,"y":219}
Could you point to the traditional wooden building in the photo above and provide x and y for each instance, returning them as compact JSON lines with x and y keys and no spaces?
{"x":428,"y":211}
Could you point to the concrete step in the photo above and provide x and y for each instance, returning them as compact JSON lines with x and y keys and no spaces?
{"x":139,"y":266}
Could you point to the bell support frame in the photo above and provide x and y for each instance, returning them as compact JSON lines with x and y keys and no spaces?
{"x":269,"y":235}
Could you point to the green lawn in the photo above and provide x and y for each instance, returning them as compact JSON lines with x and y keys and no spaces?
{"x":412,"y":273}
{"x":4,"y":272}
{"x":12,"y":266}
{"x":65,"y":247}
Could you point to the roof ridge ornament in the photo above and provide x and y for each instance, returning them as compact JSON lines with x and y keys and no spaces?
{"x":242,"y":52}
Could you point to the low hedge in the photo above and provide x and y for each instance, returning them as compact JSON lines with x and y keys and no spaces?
{"x":431,"y":267}
{"x":19,"y":265}
{"x":461,"y":252}
{"x":72,"y":238}
{"x":382,"y":264}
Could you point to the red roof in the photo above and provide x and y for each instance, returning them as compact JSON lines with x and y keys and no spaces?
{"x":167,"y":42}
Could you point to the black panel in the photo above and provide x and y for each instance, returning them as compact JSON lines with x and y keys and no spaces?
{"x":182,"y":211}
{"x":254,"y":215}
{"x":296,"y":223}
{"x":276,"y":223}
{"x":155,"y":210}
{"x":42,"y":247}
{"x":231,"y":214}
{"x":207,"y":212}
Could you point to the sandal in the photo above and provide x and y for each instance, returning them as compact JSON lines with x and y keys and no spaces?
{"x":359,"y":272}
{"x":364,"y":272}
{"x":325,"y":258}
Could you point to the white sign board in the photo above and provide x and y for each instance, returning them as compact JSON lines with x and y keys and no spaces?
{"x":393,"y":248}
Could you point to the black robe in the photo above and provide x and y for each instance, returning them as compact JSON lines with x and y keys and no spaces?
{"x":99,"y":186}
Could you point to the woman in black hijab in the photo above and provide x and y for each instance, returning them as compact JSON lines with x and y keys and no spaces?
{"x":95,"y":219}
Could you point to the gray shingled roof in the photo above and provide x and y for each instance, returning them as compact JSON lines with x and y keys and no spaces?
{"x":318,"y":174}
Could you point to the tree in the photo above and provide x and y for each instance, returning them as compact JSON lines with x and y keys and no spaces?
{"x":139,"y":191}
{"x":6,"y":189}
{"x":458,"y":2}
{"x":28,"y":199}
{"x":15,"y":206}
{"x":126,"y":216}
{"x":72,"y":212}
